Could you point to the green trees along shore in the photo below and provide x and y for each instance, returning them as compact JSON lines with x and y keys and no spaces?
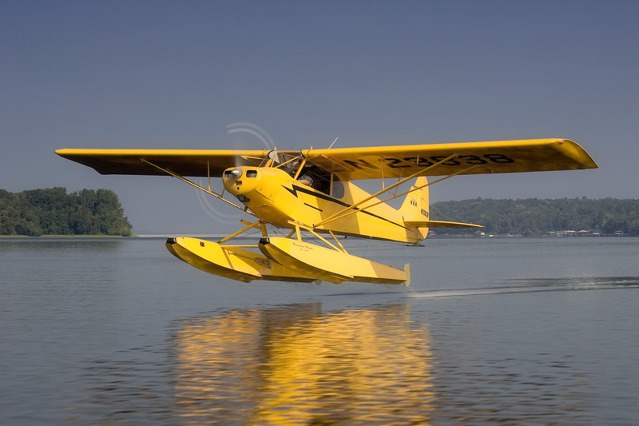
{"x":541,"y":217}
{"x":53,"y":211}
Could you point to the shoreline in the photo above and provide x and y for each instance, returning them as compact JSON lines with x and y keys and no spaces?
{"x":205,"y":236}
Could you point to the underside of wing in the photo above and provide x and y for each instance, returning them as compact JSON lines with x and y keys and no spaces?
{"x":184,"y":162}
{"x":453,"y":158}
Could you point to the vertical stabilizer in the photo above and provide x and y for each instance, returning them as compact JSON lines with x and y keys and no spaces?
{"x":415,"y":207}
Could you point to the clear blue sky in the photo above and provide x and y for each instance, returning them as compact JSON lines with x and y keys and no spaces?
{"x":177,"y":74}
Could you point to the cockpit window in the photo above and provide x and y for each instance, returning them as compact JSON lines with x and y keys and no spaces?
{"x":316,"y":177}
{"x":337,"y":187}
{"x":322,"y":180}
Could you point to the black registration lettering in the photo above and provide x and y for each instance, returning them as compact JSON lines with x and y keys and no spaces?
{"x":451,"y":162}
{"x":360,"y":164}
{"x":419,"y":161}
{"x":472,"y":159}
{"x":499,"y":158}
{"x":461,"y":160}
{"x":396,"y":163}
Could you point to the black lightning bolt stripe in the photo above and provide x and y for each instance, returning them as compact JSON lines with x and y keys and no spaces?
{"x":313,"y":207}
{"x":323,"y":196}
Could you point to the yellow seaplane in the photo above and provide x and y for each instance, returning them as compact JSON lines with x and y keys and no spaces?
{"x":311,"y":194}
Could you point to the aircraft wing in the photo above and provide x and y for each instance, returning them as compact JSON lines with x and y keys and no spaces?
{"x":352,"y":163}
{"x":184,"y":162}
{"x":467,"y":158}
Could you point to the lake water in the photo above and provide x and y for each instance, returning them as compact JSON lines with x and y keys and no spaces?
{"x":492,"y":331}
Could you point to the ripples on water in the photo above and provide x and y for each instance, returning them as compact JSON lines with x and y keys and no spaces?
{"x":539,"y":285}
{"x":103,"y":340}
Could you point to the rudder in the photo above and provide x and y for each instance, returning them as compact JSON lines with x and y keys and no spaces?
{"x":415,"y":207}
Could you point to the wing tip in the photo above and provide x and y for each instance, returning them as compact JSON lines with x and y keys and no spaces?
{"x":577,"y":153}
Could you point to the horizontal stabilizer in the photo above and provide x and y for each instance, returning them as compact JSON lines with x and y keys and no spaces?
{"x":440,"y":224}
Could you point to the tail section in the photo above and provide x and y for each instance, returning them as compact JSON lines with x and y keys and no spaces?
{"x":415,"y":211}
{"x":415,"y":208}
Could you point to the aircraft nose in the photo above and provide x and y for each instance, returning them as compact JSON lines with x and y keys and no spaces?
{"x":231,"y":179}
{"x":232,"y":174}
{"x":240,"y":180}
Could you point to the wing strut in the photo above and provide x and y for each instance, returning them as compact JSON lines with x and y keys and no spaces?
{"x":417,"y":188}
{"x":299,"y":226}
{"x":200,"y":187}
{"x":249,"y":225}
{"x":353,"y":208}
{"x":347,"y":211}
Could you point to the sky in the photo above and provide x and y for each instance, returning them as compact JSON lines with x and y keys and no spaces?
{"x":295,"y":74}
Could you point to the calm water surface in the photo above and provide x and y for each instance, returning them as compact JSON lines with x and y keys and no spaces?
{"x":492,"y":331}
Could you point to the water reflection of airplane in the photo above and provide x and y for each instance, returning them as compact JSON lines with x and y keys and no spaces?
{"x":297,"y":364}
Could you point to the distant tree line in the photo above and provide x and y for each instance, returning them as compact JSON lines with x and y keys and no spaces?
{"x":52,"y":211}
{"x":536,"y":217}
